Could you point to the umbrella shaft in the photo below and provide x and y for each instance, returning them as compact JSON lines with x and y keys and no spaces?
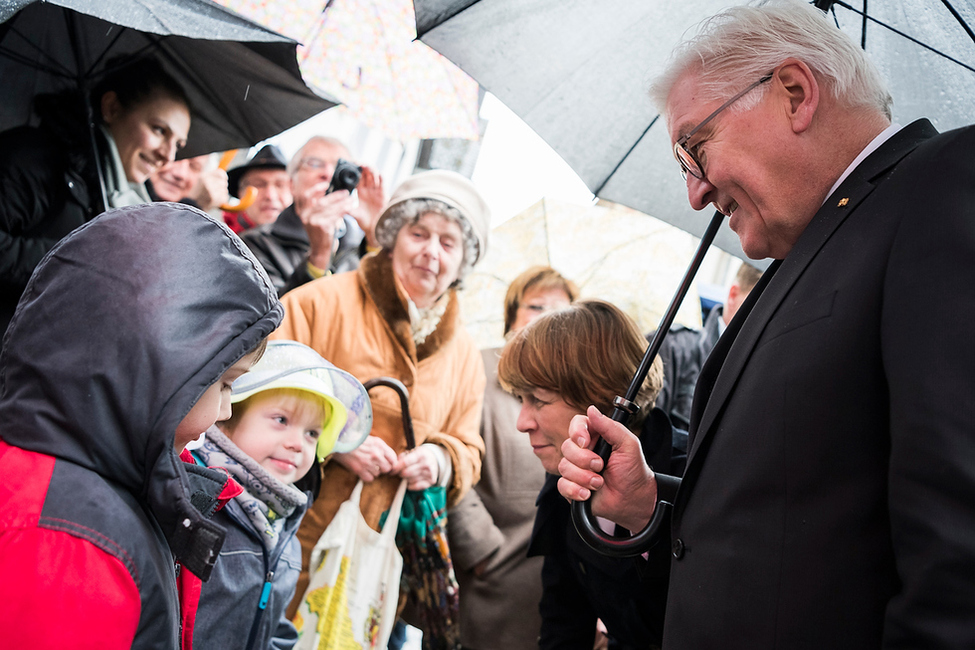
{"x":622,"y":412}
{"x":582,"y":515}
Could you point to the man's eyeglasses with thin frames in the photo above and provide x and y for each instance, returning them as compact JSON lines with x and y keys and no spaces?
{"x":689,"y":164}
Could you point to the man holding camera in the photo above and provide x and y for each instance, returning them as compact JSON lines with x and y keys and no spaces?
{"x":323,"y":231}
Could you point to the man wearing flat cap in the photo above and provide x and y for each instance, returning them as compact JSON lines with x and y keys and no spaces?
{"x":267,"y":173}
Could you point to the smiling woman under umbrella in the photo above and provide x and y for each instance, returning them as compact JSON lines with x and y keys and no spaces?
{"x":49,"y":182}
{"x":398,"y":316}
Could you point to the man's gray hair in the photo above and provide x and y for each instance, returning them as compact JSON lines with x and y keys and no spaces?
{"x":296,"y":159}
{"x":408,"y":212}
{"x":740,"y":45}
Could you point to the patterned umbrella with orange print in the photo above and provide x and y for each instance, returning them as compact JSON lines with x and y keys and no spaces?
{"x":364,"y":53}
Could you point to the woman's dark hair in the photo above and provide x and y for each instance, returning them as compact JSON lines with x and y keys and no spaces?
{"x":134,"y":82}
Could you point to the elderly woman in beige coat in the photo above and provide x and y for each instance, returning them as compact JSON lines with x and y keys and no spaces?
{"x":398,"y":316}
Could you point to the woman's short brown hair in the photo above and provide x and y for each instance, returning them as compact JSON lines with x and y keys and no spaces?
{"x":536,"y":277}
{"x":587,"y":353}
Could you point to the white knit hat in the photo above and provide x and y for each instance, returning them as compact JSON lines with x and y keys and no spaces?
{"x":455,"y":190}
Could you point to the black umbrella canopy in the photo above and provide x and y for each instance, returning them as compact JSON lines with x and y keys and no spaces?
{"x":577,"y":72}
{"x":242,"y":79}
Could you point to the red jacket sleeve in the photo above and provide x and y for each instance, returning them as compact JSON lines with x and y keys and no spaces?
{"x":64,"y":592}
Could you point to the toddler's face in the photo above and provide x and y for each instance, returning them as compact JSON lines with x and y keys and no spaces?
{"x":280,"y":431}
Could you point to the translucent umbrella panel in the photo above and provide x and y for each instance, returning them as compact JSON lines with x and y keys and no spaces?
{"x":609,"y":251}
{"x":364,"y":52}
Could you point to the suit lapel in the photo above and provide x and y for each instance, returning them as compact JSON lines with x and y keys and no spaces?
{"x":723,"y":376}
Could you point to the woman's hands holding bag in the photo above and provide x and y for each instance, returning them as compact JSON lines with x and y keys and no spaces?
{"x":369,"y":460}
{"x":420,"y":467}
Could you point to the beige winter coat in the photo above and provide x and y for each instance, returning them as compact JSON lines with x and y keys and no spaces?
{"x":359,"y":321}
{"x":499,"y":608}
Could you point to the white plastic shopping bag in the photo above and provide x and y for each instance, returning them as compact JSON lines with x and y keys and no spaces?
{"x":350,"y":603}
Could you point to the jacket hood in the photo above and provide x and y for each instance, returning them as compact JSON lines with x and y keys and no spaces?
{"x":122,"y":327}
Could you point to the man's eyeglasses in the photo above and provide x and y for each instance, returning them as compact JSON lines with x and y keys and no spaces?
{"x":313,"y":163}
{"x":689,"y":164}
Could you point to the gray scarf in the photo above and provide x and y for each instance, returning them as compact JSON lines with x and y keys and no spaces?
{"x":266,"y":501}
{"x":117,"y":186}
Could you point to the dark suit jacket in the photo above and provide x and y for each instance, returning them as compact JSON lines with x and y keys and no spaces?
{"x":829,"y":496}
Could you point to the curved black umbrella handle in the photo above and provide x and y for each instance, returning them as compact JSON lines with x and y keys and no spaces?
{"x":404,"y":403}
{"x":582,"y":516}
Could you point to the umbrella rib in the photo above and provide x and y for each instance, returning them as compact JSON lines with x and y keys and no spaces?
{"x":108,"y":49}
{"x":627,"y":155}
{"x":191,"y":76}
{"x":316,"y":31}
{"x":59,"y":71}
{"x":863,"y":27}
{"x":388,"y":53}
{"x":907,"y":36}
{"x":55,"y":68}
{"x":444,"y":16}
{"x":961,"y":21}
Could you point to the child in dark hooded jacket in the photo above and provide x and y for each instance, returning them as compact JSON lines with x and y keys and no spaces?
{"x":123,"y":348}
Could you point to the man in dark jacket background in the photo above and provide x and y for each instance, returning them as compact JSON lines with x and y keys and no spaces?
{"x":684,"y":350}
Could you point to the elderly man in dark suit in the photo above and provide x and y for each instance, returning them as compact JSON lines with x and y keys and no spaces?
{"x":828,"y":496}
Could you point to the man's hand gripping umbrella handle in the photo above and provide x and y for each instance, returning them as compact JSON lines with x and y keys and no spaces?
{"x":582,"y":516}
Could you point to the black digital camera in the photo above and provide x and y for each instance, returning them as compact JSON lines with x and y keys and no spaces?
{"x":345,"y":177}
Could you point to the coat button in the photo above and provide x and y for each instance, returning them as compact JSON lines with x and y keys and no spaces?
{"x":677,"y":548}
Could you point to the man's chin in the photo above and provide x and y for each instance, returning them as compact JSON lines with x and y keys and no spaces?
{"x":756,"y":250}
{"x":263,"y":218}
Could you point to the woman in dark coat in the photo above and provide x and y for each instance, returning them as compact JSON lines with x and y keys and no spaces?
{"x":557,"y":366}
{"x":49,"y":183}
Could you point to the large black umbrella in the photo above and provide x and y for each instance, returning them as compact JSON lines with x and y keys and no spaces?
{"x":577,"y":71}
{"x":242,"y":79}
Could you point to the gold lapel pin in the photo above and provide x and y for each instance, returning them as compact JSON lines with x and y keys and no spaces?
{"x":843,"y":202}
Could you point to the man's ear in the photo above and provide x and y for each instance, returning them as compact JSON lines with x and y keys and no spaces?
{"x":801,"y":89}
{"x":111,"y":107}
{"x":733,"y":291}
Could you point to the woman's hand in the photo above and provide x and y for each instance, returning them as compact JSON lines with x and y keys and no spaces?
{"x":369,"y":460}
{"x":419,"y":467}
